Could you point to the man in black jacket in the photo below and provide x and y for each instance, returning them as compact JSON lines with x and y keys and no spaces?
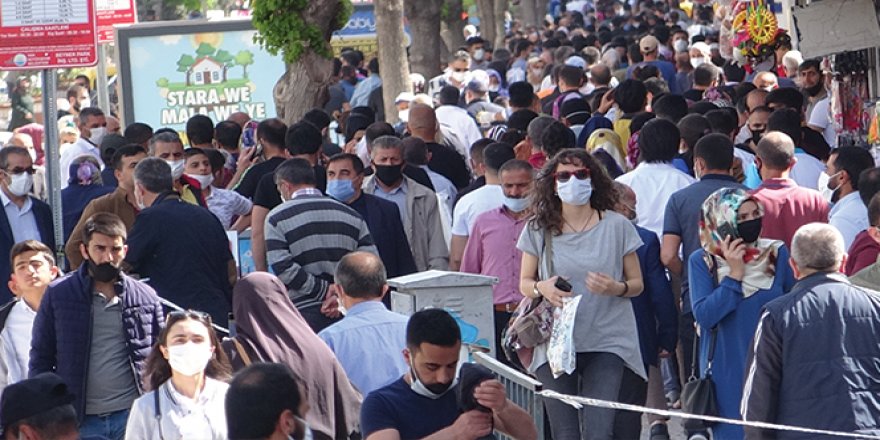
{"x":813,"y":361}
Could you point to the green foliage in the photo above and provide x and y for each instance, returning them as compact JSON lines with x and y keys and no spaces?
{"x":185,"y":62}
{"x":225,"y":58}
{"x":244,"y":58}
{"x":282,"y":28}
{"x":162,"y":82}
{"x":205,"y":50}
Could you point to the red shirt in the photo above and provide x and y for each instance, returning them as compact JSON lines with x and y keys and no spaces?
{"x":537,"y":160}
{"x":862,"y":253}
{"x":787,"y":207}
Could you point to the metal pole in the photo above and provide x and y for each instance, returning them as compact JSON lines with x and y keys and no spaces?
{"x":53,"y":157}
{"x":103,"y":93}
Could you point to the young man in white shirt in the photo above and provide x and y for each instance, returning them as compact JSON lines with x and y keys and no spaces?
{"x":33,"y":268}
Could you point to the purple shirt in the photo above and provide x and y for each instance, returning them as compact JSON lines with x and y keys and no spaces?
{"x":491,"y":250}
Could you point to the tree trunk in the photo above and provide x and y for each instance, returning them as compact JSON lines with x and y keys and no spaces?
{"x":393,"y":65}
{"x":499,"y":9}
{"x":455,"y":25}
{"x":304,"y":84}
{"x":486,"y":8}
{"x":424,"y":25}
{"x":541,"y":10}
{"x":527,"y":13}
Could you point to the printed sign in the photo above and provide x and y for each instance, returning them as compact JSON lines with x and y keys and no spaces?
{"x":112,"y":12}
{"x":47,"y":34}
{"x":176,"y":71}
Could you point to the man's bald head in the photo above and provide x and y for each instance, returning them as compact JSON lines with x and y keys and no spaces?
{"x":776,"y":151}
{"x":765,"y":80}
{"x":239,"y":118}
{"x":361,"y":275}
{"x":422,"y":122}
{"x":755,"y":99}
{"x":600,"y":75}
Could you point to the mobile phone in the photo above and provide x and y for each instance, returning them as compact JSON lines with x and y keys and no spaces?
{"x":563,"y":285}
{"x":727,"y":229}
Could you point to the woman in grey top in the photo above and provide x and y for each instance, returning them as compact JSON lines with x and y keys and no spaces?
{"x":593,"y":248}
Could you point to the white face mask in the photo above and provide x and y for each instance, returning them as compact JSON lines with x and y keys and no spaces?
{"x":516,"y":205}
{"x":403,"y":115}
{"x":419,"y":388}
{"x":176,"y":168}
{"x":20,"y":184}
{"x":85,"y":102}
{"x":307,"y":431}
{"x":479,"y":54}
{"x":680,"y":45}
{"x":697,"y":62}
{"x":97,"y":135}
{"x":139,"y":199}
{"x":827,"y":193}
{"x":575,"y":191}
{"x":205,"y":181}
{"x":190,"y":358}
{"x":459,"y":76}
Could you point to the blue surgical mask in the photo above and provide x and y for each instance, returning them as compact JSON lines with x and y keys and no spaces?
{"x":516,"y":205}
{"x":340,"y":189}
{"x":575,"y":191}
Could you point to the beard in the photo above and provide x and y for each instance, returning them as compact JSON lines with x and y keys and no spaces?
{"x":815,"y":90}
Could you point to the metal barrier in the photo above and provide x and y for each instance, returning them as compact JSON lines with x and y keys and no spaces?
{"x":521,"y":390}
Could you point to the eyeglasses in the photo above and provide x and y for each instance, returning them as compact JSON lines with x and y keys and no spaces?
{"x":19,"y":170}
{"x":178,"y":315}
{"x":565,"y":176}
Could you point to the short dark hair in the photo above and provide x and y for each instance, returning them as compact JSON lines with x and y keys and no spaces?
{"x":295,"y":171}
{"x":303,"y":138}
{"x":87,"y":112}
{"x":31,"y":246}
{"x":692,"y":128}
{"x":415,"y":151}
{"x":600,"y":74}
{"x":516,"y":165}
{"x":853,"y":160}
{"x":361,"y":275}
{"x":521,"y":93}
{"x":556,"y":138}
{"x":721,"y":121}
{"x":378,"y":129}
{"x":705,"y":74}
{"x":477,"y":149}
{"x":104,"y":223}
{"x":573,"y":76}
{"x":215,"y":158}
{"x":869,"y":184}
{"x":520,"y":119}
{"x":702,"y":107}
{"x":356,"y":164}
{"x":716,"y":150}
{"x":317,"y":117}
{"x":272,"y":130}
{"x":449,"y":95}
{"x":733,"y":72}
{"x":432,"y":326}
{"x":373,"y":65}
{"x":788,"y":121}
{"x":227,"y":134}
{"x":874,"y":211}
{"x":257,"y":397}
{"x":125,"y":151}
{"x":789,"y":97}
{"x":670,"y":107}
{"x":811,"y":63}
{"x":5,"y":152}
{"x":52,"y":423}
{"x":138,"y":133}
{"x":630,"y":95}
{"x":154,"y":175}
{"x":496,"y":154}
{"x":73,"y":91}
{"x":658,"y":141}
{"x":199,"y":130}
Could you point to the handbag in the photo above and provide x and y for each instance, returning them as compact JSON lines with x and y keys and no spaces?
{"x":698,"y":394}
{"x":532,"y":322}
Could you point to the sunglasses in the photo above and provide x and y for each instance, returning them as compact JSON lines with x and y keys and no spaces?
{"x":565,"y":176}
{"x":19,"y":170}
{"x":188,"y":314}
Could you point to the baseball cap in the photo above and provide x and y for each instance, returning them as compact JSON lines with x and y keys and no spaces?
{"x":32,"y":396}
{"x":649,"y":43}
{"x":576,"y":61}
{"x":404,"y":97}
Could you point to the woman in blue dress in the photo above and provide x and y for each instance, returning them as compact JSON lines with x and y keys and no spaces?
{"x":731,"y":279}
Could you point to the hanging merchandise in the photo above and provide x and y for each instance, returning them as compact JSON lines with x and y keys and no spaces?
{"x":850,"y":105}
{"x":755,"y":35}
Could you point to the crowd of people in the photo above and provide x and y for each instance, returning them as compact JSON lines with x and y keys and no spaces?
{"x":683,"y":214}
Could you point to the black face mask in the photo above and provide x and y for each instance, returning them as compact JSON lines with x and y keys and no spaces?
{"x":388,"y":174}
{"x":750,"y":230}
{"x":104,"y":272}
{"x":756,"y":136}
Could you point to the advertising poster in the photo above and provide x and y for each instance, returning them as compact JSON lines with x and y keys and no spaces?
{"x":360,"y":31}
{"x":172,"y":71}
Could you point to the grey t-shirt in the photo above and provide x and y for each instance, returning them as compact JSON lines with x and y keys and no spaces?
{"x":110,"y":384}
{"x":603,"y":323}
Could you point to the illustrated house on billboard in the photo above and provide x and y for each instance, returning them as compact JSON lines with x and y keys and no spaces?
{"x":206,"y":70}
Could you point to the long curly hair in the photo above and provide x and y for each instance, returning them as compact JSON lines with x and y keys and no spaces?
{"x":158,"y":370}
{"x":545,"y":203}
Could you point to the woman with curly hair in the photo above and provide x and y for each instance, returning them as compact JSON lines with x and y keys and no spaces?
{"x":576,"y":235}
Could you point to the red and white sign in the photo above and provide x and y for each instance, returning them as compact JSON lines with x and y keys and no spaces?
{"x":44,"y":34}
{"x":111,"y":12}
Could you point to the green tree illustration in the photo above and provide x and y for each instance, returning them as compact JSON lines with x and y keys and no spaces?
{"x":244,"y":58}
{"x":184,"y":64}
{"x":226,"y":59}
{"x":205,"y":50}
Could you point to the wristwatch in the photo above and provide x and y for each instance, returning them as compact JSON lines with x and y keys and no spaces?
{"x":536,"y":291}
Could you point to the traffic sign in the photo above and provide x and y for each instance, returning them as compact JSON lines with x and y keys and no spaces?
{"x":46,"y":34}
{"x":111,"y":12}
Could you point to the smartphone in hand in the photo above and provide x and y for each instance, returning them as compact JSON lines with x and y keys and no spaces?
{"x":563,"y":285}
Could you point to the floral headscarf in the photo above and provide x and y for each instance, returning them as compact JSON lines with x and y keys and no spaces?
{"x":608,"y":140}
{"x":719,"y":216}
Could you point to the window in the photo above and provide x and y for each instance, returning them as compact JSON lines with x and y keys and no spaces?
{"x":198,"y":77}
{"x":215,"y":76}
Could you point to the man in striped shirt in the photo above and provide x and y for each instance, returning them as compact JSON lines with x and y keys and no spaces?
{"x":306,"y":236}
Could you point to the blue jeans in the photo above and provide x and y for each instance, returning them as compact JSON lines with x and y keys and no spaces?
{"x":111,"y":425}
{"x":597,"y":375}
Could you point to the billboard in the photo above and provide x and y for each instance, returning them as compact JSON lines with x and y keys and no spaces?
{"x":360,"y":31}
{"x":170,"y":71}
{"x":113,"y":12}
{"x":44,"y":35}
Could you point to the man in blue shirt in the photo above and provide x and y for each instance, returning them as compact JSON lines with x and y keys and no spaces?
{"x":423,"y":403}
{"x":369,"y":340}
{"x":649,"y":47}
